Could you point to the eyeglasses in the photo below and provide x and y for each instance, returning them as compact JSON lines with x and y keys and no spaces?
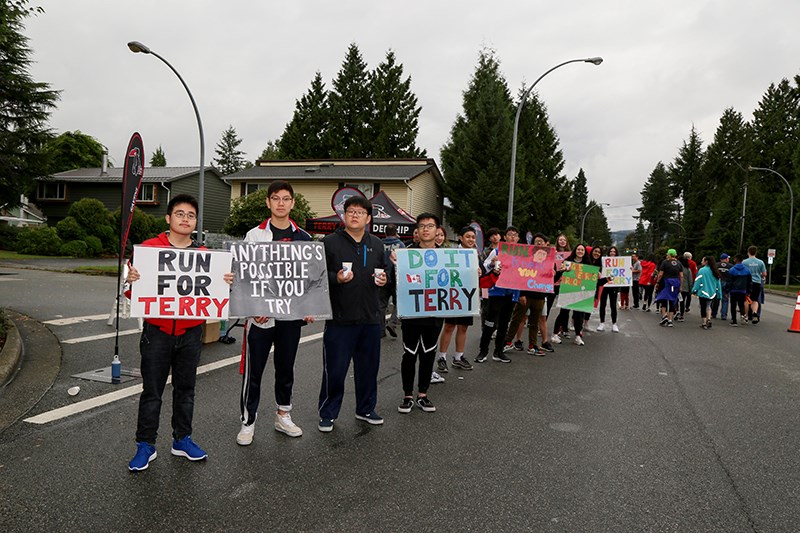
{"x":280,"y":200}
{"x":426,"y":226}
{"x":356,"y":213}
{"x":184,"y":215}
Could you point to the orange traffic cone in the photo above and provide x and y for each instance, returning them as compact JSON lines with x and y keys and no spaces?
{"x":795,"y":327}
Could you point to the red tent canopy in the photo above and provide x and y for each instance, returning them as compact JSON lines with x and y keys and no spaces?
{"x":384,"y":212}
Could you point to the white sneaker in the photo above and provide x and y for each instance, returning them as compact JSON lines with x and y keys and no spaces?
{"x":578,"y":340}
{"x":245,"y":436}
{"x":614,"y":328}
{"x":555,"y":339}
{"x":436,"y":378}
{"x":600,"y":327}
{"x":284,"y":424}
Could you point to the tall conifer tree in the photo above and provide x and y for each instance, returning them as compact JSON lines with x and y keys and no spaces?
{"x":306,"y":135}
{"x":351,"y":109}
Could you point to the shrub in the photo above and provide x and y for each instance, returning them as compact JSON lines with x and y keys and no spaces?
{"x":75,"y":249}
{"x":108,"y":237}
{"x":249,"y":211}
{"x":94,"y":246}
{"x":69,"y":230}
{"x":38,"y":240}
{"x":8,"y":237}
{"x":90,"y":213}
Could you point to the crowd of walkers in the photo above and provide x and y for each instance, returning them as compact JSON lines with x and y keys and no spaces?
{"x":360,"y":269}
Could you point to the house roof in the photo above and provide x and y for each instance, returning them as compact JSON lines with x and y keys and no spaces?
{"x":375,"y":170}
{"x":151,"y":174}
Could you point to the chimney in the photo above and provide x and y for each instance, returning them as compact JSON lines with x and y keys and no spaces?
{"x":104,"y":165}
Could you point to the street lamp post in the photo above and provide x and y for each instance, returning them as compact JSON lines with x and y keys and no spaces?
{"x":136,"y":47}
{"x":791,"y":215}
{"x":594,"y":61}
{"x":583,"y":222}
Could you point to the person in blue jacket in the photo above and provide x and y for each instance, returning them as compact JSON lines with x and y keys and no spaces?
{"x":741,"y":285}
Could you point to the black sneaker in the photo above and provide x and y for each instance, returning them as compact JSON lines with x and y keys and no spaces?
{"x":664,"y":321}
{"x":756,"y":320}
{"x":406,"y":405}
{"x":481,"y":358}
{"x":441,"y":365}
{"x":501,"y":357}
{"x":734,"y":324}
{"x":463,"y":364}
{"x":392,"y":331}
{"x":670,"y":324}
{"x":425,"y":404}
{"x":547,"y":347}
{"x":518,"y":346}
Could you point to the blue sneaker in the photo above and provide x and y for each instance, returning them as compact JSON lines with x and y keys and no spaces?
{"x":186,"y":447}
{"x":325,"y":425}
{"x":144,"y":454}
{"x":372,"y":417}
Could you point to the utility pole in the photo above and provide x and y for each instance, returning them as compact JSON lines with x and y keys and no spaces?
{"x":744,"y":206}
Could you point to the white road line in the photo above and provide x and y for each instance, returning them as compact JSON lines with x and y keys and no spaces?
{"x":74,"y":320}
{"x":105,"y":399}
{"x":100,"y":336}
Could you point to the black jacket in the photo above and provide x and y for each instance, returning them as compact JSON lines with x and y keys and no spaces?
{"x":355,"y":302}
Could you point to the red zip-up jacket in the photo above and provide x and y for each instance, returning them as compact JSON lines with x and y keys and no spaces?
{"x":170,"y":326}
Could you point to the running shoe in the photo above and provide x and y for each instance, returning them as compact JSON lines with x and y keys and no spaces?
{"x":441,"y":365}
{"x":463,"y":364}
{"x":578,"y":340}
{"x":501,"y":358}
{"x":406,"y":405}
{"x":436,"y":378}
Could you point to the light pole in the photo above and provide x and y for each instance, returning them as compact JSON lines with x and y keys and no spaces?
{"x":583,"y":222}
{"x":136,"y":47}
{"x":594,"y":61}
{"x":791,"y":215}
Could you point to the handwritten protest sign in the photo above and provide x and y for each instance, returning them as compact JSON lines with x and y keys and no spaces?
{"x":440,"y":282}
{"x":526,"y":267}
{"x":180,"y":283}
{"x":283,"y":280}
{"x":577,"y":287}
{"x":618,"y":271}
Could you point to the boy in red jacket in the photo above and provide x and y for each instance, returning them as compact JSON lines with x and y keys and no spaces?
{"x":169,"y":344}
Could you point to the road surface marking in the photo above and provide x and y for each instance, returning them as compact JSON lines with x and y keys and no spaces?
{"x":105,"y":399}
{"x":100,"y":336}
{"x":74,"y":320}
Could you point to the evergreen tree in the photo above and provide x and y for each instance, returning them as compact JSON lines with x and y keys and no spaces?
{"x":158,"y":159}
{"x":72,"y":150}
{"x":596,"y":230}
{"x":395,"y":123}
{"x":476,"y":158}
{"x":659,"y":207}
{"x":542,"y":193}
{"x":229,"y":158}
{"x":580,"y":197}
{"x":689,"y":184}
{"x":351,"y":109}
{"x":25,"y":107}
{"x":271,"y":152}
{"x":306,"y":135}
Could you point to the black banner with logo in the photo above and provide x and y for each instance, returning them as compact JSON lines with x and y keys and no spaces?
{"x":131,"y":181}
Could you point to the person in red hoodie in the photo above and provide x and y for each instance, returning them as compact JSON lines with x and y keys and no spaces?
{"x":169,"y":344}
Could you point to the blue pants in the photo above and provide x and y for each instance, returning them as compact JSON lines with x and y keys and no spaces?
{"x":362,"y":344}
{"x":160,"y":353}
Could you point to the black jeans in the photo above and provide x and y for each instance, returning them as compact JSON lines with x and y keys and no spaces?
{"x":496,"y":316}
{"x":419,"y":342}
{"x":285,"y":336}
{"x":609,"y":295}
{"x":162,"y":352}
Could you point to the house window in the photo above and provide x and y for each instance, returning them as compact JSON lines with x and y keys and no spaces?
{"x":366,"y":188}
{"x":147,"y":193}
{"x":253,"y":187}
{"x":51,"y":191}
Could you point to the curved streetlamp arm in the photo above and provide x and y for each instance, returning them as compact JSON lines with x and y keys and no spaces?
{"x":791,"y":217}
{"x":583,"y":222}
{"x":594,"y":61}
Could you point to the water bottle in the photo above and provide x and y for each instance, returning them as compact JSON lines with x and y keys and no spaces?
{"x":116,"y":369}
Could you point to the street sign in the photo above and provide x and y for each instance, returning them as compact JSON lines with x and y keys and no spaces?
{"x":770,"y":255}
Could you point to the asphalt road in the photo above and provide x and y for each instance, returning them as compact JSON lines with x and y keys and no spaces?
{"x":651,"y":428}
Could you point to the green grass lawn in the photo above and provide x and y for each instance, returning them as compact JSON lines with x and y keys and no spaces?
{"x":5,"y":254}
{"x":793,"y":289}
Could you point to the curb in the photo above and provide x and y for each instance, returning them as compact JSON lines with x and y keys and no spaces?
{"x":10,"y":355}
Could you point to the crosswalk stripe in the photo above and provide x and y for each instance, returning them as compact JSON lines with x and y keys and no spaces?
{"x":100,"y":336}
{"x":74,"y":320}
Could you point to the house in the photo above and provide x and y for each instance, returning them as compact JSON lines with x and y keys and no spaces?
{"x":55,"y":194}
{"x":415,"y":185}
{"x":25,"y":214}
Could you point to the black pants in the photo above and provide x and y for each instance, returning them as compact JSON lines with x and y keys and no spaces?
{"x":285,"y":336}
{"x":419,"y":342}
{"x":636,"y":295}
{"x":647,"y":298}
{"x":736,"y":301}
{"x":496,"y":316}
{"x":608,"y":295}
{"x":162,"y":352}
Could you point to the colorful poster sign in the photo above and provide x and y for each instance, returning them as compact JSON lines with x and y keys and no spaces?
{"x":438,"y":282}
{"x":618,"y":270}
{"x":526,"y":267}
{"x":286,"y":280}
{"x":578,"y":284}
{"x":181,"y":283}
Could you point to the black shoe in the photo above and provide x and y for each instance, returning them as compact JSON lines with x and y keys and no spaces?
{"x":425,"y":404}
{"x":756,"y":320}
{"x":462,"y":363}
{"x":441,"y":365}
{"x":546,"y":346}
{"x":406,"y":405}
{"x":481,"y":358}
{"x":664,"y":321}
{"x":518,"y":346}
{"x":501,"y":357}
{"x":392,"y":331}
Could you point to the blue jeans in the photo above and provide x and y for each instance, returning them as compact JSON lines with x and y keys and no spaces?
{"x":162,"y":352}
{"x":362,"y":344}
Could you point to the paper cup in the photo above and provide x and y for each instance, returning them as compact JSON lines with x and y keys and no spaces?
{"x":347,"y":267}
{"x":73,"y":391}
{"x":378,"y":272}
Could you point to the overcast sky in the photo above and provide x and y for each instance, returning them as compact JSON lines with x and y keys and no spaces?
{"x":667,"y":65}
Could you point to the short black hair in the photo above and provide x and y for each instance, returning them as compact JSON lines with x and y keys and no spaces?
{"x":279,"y":185}
{"x":512,"y":228}
{"x":391,"y":230}
{"x":541,"y":236}
{"x":752,"y":250}
{"x":358,"y":201}
{"x":492,"y":231}
{"x":466,"y":229}
{"x":183,"y":199}
{"x":423,"y":216}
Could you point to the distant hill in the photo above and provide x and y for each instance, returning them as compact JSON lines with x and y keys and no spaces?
{"x":619,"y":236}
